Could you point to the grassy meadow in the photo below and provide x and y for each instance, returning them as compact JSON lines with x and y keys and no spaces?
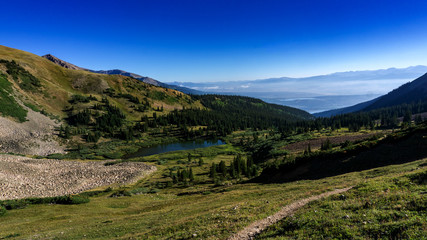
{"x":199,"y":209}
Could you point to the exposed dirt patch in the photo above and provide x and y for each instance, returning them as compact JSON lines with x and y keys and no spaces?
{"x":22,"y":177}
{"x":317,"y":143}
{"x":255,"y":228}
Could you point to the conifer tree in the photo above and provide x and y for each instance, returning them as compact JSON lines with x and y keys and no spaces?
{"x":222,"y":168}
{"x":201,"y":161}
{"x":191,"y":175}
{"x":213,"y":171}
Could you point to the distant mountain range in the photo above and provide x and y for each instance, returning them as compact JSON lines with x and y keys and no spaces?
{"x":340,"y":83}
{"x":317,"y":93}
{"x":410,"y":92}
{"x":121,"y":72}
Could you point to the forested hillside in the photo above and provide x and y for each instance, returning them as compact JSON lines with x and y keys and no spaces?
{"x":92,"y":108}
{"x":411,"y":93}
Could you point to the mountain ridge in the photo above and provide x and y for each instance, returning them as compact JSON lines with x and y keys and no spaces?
{"x":148,"y":80}
{"x":410,"y":92}
{"x":389,"y":73}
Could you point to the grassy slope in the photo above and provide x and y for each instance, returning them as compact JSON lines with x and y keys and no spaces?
{"x":212,"y":213}
{"x":388,"y":207}
{"x":60,"y":83}
{"x":8,"y":105}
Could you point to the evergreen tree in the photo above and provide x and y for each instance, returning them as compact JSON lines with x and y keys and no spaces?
{"x":213,"y":171}
{"x":201,"y":161}
{"x":222,"y":168}
{"x":418,"y":119}
{"x":407,"y":117}
{"x":191,"y":175}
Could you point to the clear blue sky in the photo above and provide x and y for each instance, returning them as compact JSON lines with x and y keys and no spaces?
{"x":218,"y":40}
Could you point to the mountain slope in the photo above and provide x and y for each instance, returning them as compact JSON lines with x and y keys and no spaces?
{"x":96,"y":110}
{"x":410,"y":92}
{"x":148,"y":80}
{"x":354,"y":108}
{"x":61,"y":62}
{"x":34,"y":87}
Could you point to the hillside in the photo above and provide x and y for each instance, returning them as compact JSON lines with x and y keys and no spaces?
{"x":148,"y":80}
{"x":414,"y":91}
{"x":34,"y":87}
{"x":99,"y":111}
{"x":156,"y":208}
{"x":354,"y":108}
{"x":411,"y":92}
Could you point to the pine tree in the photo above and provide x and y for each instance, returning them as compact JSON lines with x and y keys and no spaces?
{"x":213,"y":171}
{"x":418,"y":119}
{"x":222,"y":168}
{"x":201,"y":161}
{"x":407,"y":117}
{"x":233,"y":173}
{"x":191,"y":175}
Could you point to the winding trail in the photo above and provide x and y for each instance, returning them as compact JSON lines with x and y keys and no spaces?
{"x":257,"y":227}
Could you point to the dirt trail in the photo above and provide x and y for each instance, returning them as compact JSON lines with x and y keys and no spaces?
{"x":256,"y":227}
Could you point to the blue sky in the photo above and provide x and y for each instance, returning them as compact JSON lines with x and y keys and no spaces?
{"x":206,"y":40}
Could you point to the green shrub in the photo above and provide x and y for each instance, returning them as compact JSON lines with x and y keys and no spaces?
{"x":8,"y":104}
{"x":419,"y":178}
{"x":121,"y":193}
{"x":154,"y":190}
{"x":78,"y":98}
{"x":139,"y":190}
{"x":24,"y":79}
{"x":22,"y":203}
{"x":14,"y":204}
{"x":112,"y":155}
{"x":2,"y":211}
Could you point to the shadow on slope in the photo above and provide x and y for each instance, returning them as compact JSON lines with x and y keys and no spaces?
{"x":393,"y":150}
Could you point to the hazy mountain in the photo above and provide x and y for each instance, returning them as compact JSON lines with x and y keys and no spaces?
{"x":407,"y":93}
{"x":123,"y":73}
{"x":340,"y":83}
{"x":317,"y":93}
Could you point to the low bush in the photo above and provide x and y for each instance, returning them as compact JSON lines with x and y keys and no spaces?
{"x":139,"y":190}
{"x":22,"y":203}
{"x":2,"y":211}
{"x":121,"y":193}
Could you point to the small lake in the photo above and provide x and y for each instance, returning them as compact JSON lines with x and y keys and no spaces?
{"x":162,"y":148}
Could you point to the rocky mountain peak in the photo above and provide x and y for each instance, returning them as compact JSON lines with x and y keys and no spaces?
{"x":61,"y":63}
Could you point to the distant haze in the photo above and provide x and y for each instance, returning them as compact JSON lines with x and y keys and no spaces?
{"x":317,"y":93}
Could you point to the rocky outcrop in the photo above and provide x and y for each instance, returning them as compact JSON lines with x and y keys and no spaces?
{"x":61,"y":63}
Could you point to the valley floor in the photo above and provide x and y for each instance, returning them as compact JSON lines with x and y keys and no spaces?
{"x":197,"y":212}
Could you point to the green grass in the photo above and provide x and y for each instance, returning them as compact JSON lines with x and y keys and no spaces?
{"x":389,"y":207}
{"x":211,"y":212}
{"x":32,"y":107}
{"x":8,"y":105}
